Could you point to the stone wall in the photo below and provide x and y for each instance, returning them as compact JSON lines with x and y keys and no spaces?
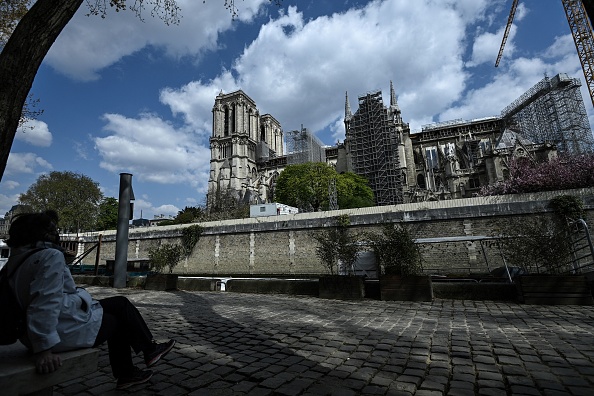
{"x":283,"y":245}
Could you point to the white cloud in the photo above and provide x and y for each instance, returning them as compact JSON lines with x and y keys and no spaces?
{"x":153,"y":150}
{"x":147,"y":208}
{"x":514,"y":79}
{"x":35,"y":132}
{"x":10,"y":184}
{"x":26,"y":163}
{"x":7,"y":202}
{"x":298,"y":70}
{"x":194,"y":100}
{"x":89,"y":44}
{"x":168,"y":210}
{"x":487,"y":45}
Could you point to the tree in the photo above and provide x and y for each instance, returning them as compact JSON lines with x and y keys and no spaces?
{"x":353,"y":191}
{"x":305,"y":186}
{"x":165,"y":256}
{"x":338,"y":244}
{"x":75,"y":197}
{"x":32,"y":38}
{"x":11,"y":12}
{"x":108,"y":214}
{"x":562,"y":173}
{"x":396,"y":250}
{"x":189,"y":214}
{"x":543,"y":243}
{"x":28,"y":45}
{"x":225,"y":206}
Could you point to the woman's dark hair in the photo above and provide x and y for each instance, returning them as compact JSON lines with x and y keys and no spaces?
{"x":29,"y":228}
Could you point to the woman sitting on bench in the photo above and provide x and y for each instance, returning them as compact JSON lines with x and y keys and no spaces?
{"x":62,"y":317}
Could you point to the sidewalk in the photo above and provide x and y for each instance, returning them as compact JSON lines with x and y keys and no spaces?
{"x":250,"y":344}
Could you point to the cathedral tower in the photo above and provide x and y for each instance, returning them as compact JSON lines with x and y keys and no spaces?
{"x":241,"y":139}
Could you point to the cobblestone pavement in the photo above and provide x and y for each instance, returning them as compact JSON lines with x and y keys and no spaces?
{"x":249,"y":344}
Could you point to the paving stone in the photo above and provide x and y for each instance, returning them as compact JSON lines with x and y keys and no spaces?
{"x":460,"y":392}
{"x":236,"y":344}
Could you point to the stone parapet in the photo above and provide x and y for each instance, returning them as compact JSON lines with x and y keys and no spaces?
{"x":284,"y":245}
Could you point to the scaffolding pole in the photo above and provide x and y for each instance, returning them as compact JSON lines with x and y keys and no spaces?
{"x":303,"y":146}
{"x":553,"y":111}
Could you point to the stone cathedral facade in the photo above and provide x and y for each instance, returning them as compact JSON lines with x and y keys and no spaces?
{"x":241,"y":140}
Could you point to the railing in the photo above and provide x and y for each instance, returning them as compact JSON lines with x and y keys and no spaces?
{"x":581,"y":255}
{"x":480,"y":255}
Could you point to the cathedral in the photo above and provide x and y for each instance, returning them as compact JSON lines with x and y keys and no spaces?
{"x":446,"y":160}
{"x":242,"y":141}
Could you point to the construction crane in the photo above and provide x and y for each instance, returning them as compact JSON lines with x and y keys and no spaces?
{"x":581,"y":29}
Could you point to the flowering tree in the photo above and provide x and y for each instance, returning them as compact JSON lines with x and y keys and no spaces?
{"x":562,"y":173}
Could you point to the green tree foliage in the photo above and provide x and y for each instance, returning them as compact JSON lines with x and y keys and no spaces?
{"x":568,"y":207}
{"x":353,"y":191}
{"x":11,"y":12}
{"x":167,"y":255}
{"x":75,"y":197}
{"x":396,"y":251}
{"x":189,"y":214}
{"x":535,"y":245}
{"x":305,"y":186}
{"x":190,"y":237}
{"x":108,"y":214}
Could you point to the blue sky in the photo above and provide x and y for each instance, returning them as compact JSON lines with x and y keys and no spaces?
{"x":122,"y":95}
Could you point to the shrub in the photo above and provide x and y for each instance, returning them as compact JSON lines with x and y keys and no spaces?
{"x":190,"y":237}
{"x":337,"y":244}
{"x":165,"y":256}
{"x":396,"y":251}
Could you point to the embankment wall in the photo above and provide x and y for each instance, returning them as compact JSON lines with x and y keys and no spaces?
{"x":284,"y":245}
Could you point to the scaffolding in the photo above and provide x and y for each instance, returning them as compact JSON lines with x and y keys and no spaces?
{"x":553,"y":111}
{"x":303,"y":146}
{"x":373,"y":147}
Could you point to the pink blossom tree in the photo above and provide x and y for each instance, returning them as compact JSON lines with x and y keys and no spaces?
{"x":561,"y":173}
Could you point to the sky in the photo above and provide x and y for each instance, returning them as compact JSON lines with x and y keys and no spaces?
{"x":125,"y":95}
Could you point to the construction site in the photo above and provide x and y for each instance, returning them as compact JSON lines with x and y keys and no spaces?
{"x":303,"y":146}
{"x":372,"y":142}
{"x":553,"y":111}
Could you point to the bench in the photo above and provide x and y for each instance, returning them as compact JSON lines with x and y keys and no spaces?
{"x":18,"y":375}
{"x":554,"y":290}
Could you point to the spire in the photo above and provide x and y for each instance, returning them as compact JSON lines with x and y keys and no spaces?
{"x":392,"y":95}
{"x":393,"y":103}
{"x":394,"y":109}
{"x":347,"y":106}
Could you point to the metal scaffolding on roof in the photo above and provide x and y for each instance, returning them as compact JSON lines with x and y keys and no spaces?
{"x":553,"y":111}
{"x":373,"y":146}
{"x":303,"y":146}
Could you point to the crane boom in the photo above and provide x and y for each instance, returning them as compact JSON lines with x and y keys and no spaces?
{"x":510,"y":20}
{"x":581,"y":30}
